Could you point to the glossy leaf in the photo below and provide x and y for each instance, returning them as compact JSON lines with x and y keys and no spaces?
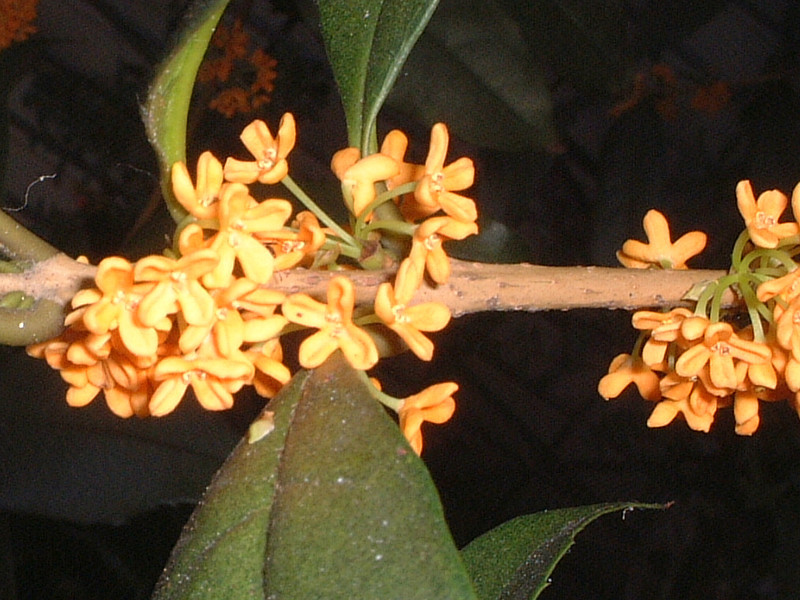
{"x":515,"y":559}
{"x":495,"y":243}
{"x":473,"y":70}
{"x":330,"y":503}
{"x":166,"y":110}
{"x":367,"y":43}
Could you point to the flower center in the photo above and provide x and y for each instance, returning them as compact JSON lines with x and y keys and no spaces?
{"x":437,"y":182}
{"x":268,"y":161}
{"x":335,"y":321}
{"x":398,"y":314}
{"x":763,"y":220}
{"x":432,"y":242}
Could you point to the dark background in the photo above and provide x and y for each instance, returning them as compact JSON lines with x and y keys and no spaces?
{"x":622,"y":107}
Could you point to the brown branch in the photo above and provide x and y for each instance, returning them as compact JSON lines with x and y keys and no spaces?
{"x":480,"y":287}
{"x":473,"y":287}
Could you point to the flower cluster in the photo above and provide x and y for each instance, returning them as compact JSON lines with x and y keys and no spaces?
{"x":693,"y":362}
{"x":205,"y":317}
{"x":253,"y":71}
{"x":17,"y":22}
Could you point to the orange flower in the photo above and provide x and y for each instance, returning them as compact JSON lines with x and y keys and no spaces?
{"x":359,"y":175}
{"x":761,"y":216}
{"x":176,"y":287}
{"x":436,"y":188}
{"x":200,"y":200}
{"x":395,"y":145}
{"x":787,"y":286}
{"x":213,"y":380}
{"x":410,"y":321}
{"x":426,"y":245}
{"x":17,"y":22}
{"x":270,"y":153}
{"x":241,"y":220}
{"x":719,"y":348}
{"x":335,"y":324}
{"x":664,"y":329}
{"x":666,"y":411}
{"x":434,"y":404}
{"x":660,"y":251}
{"x":623,"y":371}
{"x":787,"y":327}
{"x":114,"y":307}
{"x":291,"y":247}
{"x":271,"y":374}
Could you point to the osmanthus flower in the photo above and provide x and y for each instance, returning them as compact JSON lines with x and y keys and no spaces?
{"x":359,"y":175}
{"x":664,"y":328}
{"x":292,"y":246}
{"x":270,"y":153}
{"x":199,"y":200}
{"x":624,"y":370}
{"x":114,"y":304}
{"x":89,"y":365}
{"x":787,"y":286}
{"x":395,"y":145}
{"x":213,"y":379}
{"x":176,"y":287}
{"x":231,"y":326}
{"x":666,"y":411}
{"x":241,"y":220}
{"x":719,"y":349}
{"x":426,"y":245}
{"x":660,"y":251}
{"x":391,"y":306}
{"x":434,"y":404}
{"x":336,"y":328}
{"x":787,"y":326}
{"x":762,"y":216}
{"x":436,"y":189}
{"x":271,"y":374}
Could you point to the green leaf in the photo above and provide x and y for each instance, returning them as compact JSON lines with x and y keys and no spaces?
{"x":495,"y":243}
{"x":367,"y":43}
{"x":328,"y":501}
{"x":582,"y":41}
{"x":473,"y":70}
{"x":166,"y":111}
{"x":515,"y":560}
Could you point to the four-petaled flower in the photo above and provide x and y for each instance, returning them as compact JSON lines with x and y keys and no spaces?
{"x":199,"y":200}
{"x":761,"y":216}
{"x":623,"y":371}
{"x":426,"y":245}
{"x":270,"y":153}
{"x":660,"y":251}
{"x":336,"y":328}
{"x":434,"y":404}
{"x":391,"y":306}
{"x":359,"y":176}
{"x":436,"y":189}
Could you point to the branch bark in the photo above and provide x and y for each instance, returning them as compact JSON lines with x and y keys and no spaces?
{"x":473,"y":287}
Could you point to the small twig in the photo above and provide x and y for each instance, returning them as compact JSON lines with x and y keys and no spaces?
{"x":473,"y":287}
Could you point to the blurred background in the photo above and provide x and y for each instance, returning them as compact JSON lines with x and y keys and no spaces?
{"x":580,"y":115}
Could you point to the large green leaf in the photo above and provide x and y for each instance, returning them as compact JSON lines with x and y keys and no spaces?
{"x":331,"y":503}
{"x":515,"y":560}
{"x":473,"y":70}
{"x":367,"y":43}
{"x":166,"y":111}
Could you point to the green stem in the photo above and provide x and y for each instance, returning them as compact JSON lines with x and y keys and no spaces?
{"x":401,"y":227}
{"x":384,"y":196}
{"x":318,"y":212}
{"x":388,"y":401}
{"x":21,"y":244}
